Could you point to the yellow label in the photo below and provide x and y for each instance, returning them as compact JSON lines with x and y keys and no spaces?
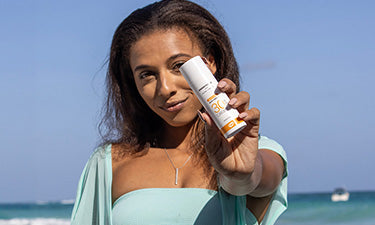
{"x":230,"y":125}
{"x":210,"y":98}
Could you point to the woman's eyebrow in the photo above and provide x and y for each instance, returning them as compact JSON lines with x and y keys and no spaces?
{"x":141,"y":67}
{"x":173,"y":57}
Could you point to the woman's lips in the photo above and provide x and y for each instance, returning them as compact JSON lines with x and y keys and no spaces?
{"x":174,"y":106}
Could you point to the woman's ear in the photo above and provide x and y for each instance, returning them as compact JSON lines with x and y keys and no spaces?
{"x":211,"y":63}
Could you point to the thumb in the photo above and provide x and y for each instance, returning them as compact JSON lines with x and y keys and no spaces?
{"x":210,"y":126}
{"x":213,"y":135}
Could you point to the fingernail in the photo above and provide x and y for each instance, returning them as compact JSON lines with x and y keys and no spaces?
{"x":232,"y":101}
{"x":201,"y":117}
{"x":243,"y":115}
{"x":222,"y":84}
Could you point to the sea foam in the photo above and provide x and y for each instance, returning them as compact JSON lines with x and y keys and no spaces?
{"x":35,"y":221}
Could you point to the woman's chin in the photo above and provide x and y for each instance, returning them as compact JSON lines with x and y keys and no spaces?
{"x":181,"y":122}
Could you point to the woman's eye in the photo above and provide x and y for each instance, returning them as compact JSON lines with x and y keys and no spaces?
{"x":177,"y":66}
{"x":145,"y":75}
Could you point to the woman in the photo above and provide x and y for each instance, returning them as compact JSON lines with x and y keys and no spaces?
{"x":164,"y":161}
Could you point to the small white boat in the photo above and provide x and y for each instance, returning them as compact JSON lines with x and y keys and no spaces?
{"x":340,"y":195}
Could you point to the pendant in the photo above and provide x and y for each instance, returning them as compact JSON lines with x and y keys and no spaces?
{"x":175,"y":181}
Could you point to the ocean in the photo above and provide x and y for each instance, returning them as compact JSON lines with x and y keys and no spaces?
{"x":39,"y":213}
{"x":304,"y":209}
{"x":318,"y":209}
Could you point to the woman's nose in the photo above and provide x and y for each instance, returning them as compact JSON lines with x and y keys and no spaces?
{"x":166,"y":84}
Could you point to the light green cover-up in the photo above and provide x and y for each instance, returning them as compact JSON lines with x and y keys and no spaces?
{"x":93,"y":204}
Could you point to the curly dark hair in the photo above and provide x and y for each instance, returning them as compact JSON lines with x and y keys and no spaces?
{"x":127,"y":119}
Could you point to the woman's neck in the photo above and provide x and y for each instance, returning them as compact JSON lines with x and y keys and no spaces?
{"x":178,"y":137}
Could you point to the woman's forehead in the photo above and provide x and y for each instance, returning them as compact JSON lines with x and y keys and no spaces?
{"x":162,"y":43}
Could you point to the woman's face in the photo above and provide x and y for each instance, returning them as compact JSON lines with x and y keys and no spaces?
{"x":155,"y":60}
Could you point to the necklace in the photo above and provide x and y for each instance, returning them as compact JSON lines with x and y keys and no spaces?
{"x":177,"y":168}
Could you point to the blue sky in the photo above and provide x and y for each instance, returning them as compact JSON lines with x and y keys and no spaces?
{"x":308,"y":66}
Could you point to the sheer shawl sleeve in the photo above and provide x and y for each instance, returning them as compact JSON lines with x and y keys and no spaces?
{"x":234,"y":207}
{"x":93,"y":202}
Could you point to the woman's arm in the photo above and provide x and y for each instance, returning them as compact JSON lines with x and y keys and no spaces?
{"x":242,"y":168}
{"x":273,"y":168}
{"x":272,"y":173}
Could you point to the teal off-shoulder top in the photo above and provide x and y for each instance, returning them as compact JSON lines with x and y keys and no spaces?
{"x":166,"y":206}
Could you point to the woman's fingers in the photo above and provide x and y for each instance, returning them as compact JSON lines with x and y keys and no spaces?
{"x":251,"y":116}
{"x":240,"y":101}
{"x":227,"y":86}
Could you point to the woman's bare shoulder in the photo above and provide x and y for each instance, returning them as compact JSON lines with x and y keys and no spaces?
{"x":120,"y":152}
{"x":123,"y":152}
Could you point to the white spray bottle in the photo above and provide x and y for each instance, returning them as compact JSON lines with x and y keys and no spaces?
{"x":204,"y":85}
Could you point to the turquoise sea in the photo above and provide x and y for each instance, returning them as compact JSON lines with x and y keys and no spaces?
{"x":304,"y":209}
{"x":318,"y":209}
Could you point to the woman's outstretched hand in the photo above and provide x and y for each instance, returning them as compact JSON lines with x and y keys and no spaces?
{"x":234,"y":158}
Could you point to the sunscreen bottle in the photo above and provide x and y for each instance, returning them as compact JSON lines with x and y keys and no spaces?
{"x":204,"y":85}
